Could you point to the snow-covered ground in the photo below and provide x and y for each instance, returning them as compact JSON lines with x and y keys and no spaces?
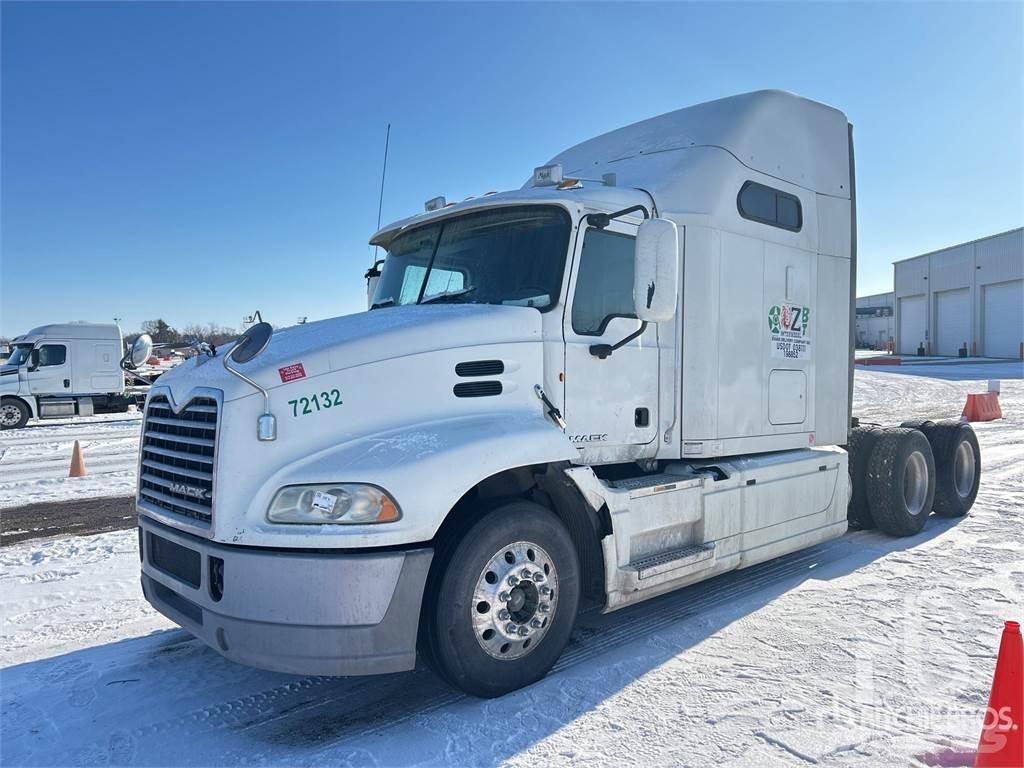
{"x":863,"y":651}
{"x":36,"y":459}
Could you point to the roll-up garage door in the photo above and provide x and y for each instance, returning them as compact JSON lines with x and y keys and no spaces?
{"x":1003,"y":317}
{"x":952,"y":321}
{"x":912,"y":323}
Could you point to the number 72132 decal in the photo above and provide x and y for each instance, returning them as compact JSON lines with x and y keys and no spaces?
{"x":315,"y":403}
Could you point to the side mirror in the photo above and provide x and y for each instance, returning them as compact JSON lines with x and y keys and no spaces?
{"x":138,"y":353}
{"x":656,"y":276}
{"x":372,"y":277}
{"x":250,"y":343}
{"x":33,"y":360}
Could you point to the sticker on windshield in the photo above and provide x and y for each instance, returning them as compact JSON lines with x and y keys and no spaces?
{"x":790,"y":329}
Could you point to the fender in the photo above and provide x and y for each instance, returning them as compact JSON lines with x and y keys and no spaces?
{"x":426,"y":467}
{"x":28,"y":400}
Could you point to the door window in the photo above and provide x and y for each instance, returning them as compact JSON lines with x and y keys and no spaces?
{"x":52,"y":354}
{"x":604,"y":283}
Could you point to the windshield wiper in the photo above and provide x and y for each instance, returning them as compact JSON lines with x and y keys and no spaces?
{"x":437,"y":297}
{"x":382,"y":303}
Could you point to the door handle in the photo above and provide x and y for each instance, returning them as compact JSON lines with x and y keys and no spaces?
{"x":67,"y":383}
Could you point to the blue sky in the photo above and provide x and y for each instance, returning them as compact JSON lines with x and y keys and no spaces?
{"x":199,"y":161}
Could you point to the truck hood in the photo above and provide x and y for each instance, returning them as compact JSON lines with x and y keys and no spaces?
{"x":9,"y":379}
{"x":313,"y":349}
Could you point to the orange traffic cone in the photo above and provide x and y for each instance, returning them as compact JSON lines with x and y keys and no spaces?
{"x":77,"y":462}
{"x":1002,"y":734}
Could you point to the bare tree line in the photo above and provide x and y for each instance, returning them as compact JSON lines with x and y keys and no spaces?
{"x":163,"y":333}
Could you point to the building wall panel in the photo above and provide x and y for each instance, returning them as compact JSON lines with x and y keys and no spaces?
{"x":1000,"y":259}
{"x":951,"y":269}
{"x":955,"y":281}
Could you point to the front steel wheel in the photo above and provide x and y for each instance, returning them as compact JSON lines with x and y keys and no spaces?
{"x":515,"y":599}
{"x":499,"y":610}
{"x":13,"y":414}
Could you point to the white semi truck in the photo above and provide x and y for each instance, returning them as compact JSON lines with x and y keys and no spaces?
{"x":68,"y":369}
{"x":628,"y":376}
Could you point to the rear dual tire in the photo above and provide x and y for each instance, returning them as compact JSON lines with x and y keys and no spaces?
{"x":861,"y":445}
{"x":901,"y":481}
{"x":957,"y":466}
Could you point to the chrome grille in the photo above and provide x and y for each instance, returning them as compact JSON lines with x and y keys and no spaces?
{"x":178,"y":450}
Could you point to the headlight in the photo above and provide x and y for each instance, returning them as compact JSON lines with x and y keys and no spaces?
{"x":333,"y":503}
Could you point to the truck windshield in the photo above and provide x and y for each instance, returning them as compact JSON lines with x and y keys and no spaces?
{"x":513,"y":256}
{"x":20,"y":355}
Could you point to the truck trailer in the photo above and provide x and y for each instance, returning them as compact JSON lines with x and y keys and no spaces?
{"x":630,"y":375}
{"x":67,"y":369}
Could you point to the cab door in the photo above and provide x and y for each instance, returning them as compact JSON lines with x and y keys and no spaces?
{"x":611,"y":404}
{"x":49,"y":370}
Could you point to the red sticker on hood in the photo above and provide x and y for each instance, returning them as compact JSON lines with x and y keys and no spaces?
{"x":292,"y":372}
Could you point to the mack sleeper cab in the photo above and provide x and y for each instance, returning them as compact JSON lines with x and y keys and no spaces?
{"x":630,"y":375}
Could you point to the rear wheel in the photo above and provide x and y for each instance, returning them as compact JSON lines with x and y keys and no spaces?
{"x":13,"y":414}
{"x":501,"y":613}
{"x":957,"y":467}
{"x":921,"y":424}
{"x":862,"y":443}
{"x":901,"y":481}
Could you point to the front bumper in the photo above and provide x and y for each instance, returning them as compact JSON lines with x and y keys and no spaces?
{"x":307,"y":613}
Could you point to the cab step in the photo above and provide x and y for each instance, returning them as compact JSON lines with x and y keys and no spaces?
{"x":661,"y":481}
{"x":669,"y":561}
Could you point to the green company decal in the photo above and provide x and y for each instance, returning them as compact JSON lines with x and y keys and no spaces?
{"x":790,"y":327}
{"x":315,"y":403}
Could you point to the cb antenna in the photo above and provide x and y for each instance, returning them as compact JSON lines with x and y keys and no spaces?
{"x":383,"y":175}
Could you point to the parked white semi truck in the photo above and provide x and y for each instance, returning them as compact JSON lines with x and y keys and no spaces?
{"x":68,"y":369}
{"x":628,"y":376}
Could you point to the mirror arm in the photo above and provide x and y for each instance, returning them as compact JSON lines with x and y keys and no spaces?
{"x":602,"y":220}
{"x":266,"y":425}
{"x":246,"y":379}
{"x":604,"y":350}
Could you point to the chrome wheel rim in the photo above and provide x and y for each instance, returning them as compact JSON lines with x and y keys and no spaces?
{"x":9,"y":415}
{"x":515,"y":600}
{"x":915,"y":483}
{"x":963,"y":469}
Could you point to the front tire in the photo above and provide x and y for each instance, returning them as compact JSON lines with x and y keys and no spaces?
{"x":13,"y":413}
{"x":501,"y":613}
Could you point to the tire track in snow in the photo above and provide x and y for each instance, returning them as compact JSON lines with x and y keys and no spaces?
{"x":325,"y":712}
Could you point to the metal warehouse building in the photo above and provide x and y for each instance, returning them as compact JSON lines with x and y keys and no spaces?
{"x":875,"y":321}
{"x":964,"y":300}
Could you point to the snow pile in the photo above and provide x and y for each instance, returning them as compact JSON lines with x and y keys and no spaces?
{"x":864,"y":651}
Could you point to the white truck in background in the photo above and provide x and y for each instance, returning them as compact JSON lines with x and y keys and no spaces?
{"x":630,"y":375}
{"x":68,"y":369}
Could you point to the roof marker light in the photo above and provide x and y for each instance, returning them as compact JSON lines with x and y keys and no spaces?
{"x":434,"y":204}
{"x":547,"y":175}
{"x":570,"y":184}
